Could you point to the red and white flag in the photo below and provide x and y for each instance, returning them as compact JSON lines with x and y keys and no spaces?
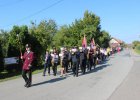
{"x":84,"y":42}
{"x":92,"y":43}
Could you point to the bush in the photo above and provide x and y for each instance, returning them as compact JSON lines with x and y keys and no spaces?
{"x":138,"y":47}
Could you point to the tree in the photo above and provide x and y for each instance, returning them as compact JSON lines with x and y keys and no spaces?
{"x":4,"y":37}
{"x":63,"y":37}
{"x":42,"y":34}
{"x":73,"y":34}
{"x":18,"y":37}
{"x":135,"y":43}
{"x":104,"y":39}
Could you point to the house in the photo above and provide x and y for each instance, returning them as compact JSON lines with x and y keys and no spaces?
{"x":115,"y":43}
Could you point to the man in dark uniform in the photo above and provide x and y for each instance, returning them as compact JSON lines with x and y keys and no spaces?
{"x":82,"y":60}
{"x":28,"y":58}
{"x":94,"y":57}
{"x":65,"y":60}
{"x":90,"y":54}
{"x":75,"y":62}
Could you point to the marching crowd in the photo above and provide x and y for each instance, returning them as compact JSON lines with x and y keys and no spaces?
{"x":75,"y":59}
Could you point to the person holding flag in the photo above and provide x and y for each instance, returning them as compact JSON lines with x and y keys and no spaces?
{"x":93,"y":46}
{"x":92,"y":43}
{"x":84,"y":42}
{"x":28,"y":58}
{"x":83,"y":55}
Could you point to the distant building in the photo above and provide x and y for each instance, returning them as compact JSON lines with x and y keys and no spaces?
{"x":114,"y":43}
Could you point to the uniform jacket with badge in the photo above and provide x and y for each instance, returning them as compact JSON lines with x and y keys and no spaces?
{"x":28,"y":59}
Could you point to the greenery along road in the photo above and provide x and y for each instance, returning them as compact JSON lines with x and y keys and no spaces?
{"x":48,"y":34}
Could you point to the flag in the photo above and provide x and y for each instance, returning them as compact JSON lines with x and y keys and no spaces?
{"x":92,"y":43}
{"x":84,"y":42}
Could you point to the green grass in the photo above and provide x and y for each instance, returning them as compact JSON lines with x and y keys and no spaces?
{"x":5,"y":76}
{"x":137,"y":51}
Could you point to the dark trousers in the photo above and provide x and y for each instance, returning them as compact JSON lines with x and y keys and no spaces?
{"x":83,"y":66}
{"x":46,"y":65}
{"x":75,"y":68}
{"x":28,"y":79}
{"x":70,"y":64}
{"x":90,"y":63}
{"x":94,"y":63}
{"x":65,"y":65}
{"x":54,"y":67}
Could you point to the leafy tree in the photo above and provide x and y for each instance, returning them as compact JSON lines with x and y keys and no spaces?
{"x":42,"y":35}
{"x":91,"y":26}
{"x":73,"y":34}
{"x":46,"y":35}
{"x":135,"y":43}
{"x":4,"y":37}
{"x":18,"y":38}
{"x":104,"y":39}
{"x":137,"y":47}
{"x":63,"y":37}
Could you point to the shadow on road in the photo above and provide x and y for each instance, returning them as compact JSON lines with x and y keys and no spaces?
{"x":101,"y":67}
{"x":49,"y":81}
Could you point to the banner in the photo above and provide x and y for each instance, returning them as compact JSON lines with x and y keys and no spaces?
{"x":11,"y":60}
{"x":92,"y":43}
{"x":84,"y":42}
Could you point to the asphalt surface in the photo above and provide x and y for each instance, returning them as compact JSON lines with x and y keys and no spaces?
{"x":103,"y":83}
{"x":130,"y":87}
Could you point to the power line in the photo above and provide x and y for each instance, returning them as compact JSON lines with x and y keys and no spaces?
{"x":40,"y":11}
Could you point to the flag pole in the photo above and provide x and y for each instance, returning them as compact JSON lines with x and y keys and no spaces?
{"x":19,"y":43}
{"x":84,"y":42}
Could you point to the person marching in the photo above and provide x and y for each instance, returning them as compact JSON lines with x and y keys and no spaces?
{"x":94,"y":57}
{"x":54,"y":61}
{"x":75,"y":62}
{"x":28,"y":58}
{"x":69,"y":60}
{"x":93,"y":53}
{"x":61,"y":55}
{"x":82,"y":60}
{"x":47,"y":63}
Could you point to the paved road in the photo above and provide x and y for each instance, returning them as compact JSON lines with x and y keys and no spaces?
{"x":99,"y":84}
{"x":130,"y":87}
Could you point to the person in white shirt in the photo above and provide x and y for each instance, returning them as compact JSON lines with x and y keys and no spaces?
{"x":54,"y":61}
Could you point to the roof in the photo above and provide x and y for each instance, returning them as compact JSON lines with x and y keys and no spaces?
{"x":114,"y":40}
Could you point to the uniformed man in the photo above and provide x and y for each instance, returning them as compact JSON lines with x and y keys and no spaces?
{"x":82,"y":60}
{"x":28,"y":58}
{"x":75,"y":62}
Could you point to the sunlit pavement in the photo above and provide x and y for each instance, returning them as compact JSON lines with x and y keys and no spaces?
{"x":130,"y":87}
{"x":99,"y":84}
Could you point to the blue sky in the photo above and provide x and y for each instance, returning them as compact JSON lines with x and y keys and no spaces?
{"x":121,"y":18}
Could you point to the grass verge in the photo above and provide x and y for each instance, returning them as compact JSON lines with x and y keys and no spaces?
{"x":137,"y":51}
{"x":5,"y":76}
